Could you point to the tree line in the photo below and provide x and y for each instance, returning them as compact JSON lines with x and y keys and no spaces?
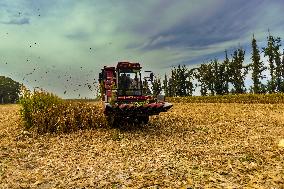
{"x":228,"y":76}
{"x":213,"y":78}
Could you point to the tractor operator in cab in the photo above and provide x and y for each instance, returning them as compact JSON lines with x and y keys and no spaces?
{"x":124,"y":83}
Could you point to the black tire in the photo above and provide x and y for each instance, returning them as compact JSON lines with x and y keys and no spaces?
{"x":143,"y":120}
{"x":112,"y":121}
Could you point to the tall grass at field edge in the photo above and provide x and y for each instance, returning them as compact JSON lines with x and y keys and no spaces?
{"x":44,"y":112}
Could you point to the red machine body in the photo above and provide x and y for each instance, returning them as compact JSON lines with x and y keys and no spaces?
{"x":123,"y":96}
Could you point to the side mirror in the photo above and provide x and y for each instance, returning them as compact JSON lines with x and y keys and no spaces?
{"x":151,"y":76}
{"x":100,"y":77}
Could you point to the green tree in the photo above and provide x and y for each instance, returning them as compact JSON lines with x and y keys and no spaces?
{"x":269,"y":52}
{"x":9,"y":90}
{"x":156,"y":86}
{"x":278,"y":69}
{"x":219,"y":77}
{"x":200,"y":76}
{"x":170,"y":88}
{"x":257,"y":68}
{"x":173,"y":82}
{"x":238,"y":71}
{"x":189,"y":84}
{"x":181,"y":81}
{"x":282,"y":72}
{"x":226,"y":65}
{"x":146,"y":89}
{"x":214,"y":77}
{"x":166,"y":85}
{"x":205,"y":77}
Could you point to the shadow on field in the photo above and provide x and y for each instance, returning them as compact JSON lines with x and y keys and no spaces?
{"x":150,"y":128}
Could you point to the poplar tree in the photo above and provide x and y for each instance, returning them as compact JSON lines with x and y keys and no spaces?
{"x":201,"y":78}
{"x":278,"y":74}
{"x":170,"y":88}
{"x":156,"y":86}
{"x":238,"y":71}
{"x":146,"y":89}
{"x":269,"y":52}
{"x":278,"y":68}
{"x":220,"y":77}
{"x":257,"y":68}
{"x":173,"y":82}
{"x":181,"y":80}
{"x":205,"y":77}
{"x":166,"y":85}
{"x":282,"y":72}
{"x":189,"y":83}
{"x":226,"y":64}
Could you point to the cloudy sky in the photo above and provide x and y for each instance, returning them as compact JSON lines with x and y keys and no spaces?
{"x":61,"y":45}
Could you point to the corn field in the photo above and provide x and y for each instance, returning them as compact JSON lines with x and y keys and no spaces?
{"x":194,"y":145}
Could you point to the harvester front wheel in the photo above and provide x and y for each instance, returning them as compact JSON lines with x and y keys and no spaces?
{"x":143,"y":119}
{"x":112,"y":121}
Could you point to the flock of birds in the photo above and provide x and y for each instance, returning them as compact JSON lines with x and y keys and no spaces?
{"x":72,"y":83}
{"x":37,"y":76}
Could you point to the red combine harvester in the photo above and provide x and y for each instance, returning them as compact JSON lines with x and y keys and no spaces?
{"x":122,"y":94}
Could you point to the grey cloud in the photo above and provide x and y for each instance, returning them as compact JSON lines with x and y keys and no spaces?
{"x":79,"y":35}
{"x":206,"y":57}
{"x":206,"y":54}
{"x":19,"y":21}
{"x":232,"y":21}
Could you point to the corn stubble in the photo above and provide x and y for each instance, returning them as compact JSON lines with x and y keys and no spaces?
{"x":44,"y":112}
{"x":194,"y":145}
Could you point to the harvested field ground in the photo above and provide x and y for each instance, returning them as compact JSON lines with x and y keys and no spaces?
{"x":194,"y":145}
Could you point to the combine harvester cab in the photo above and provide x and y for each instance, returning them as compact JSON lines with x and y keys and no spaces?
{"x":122,"y":94}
